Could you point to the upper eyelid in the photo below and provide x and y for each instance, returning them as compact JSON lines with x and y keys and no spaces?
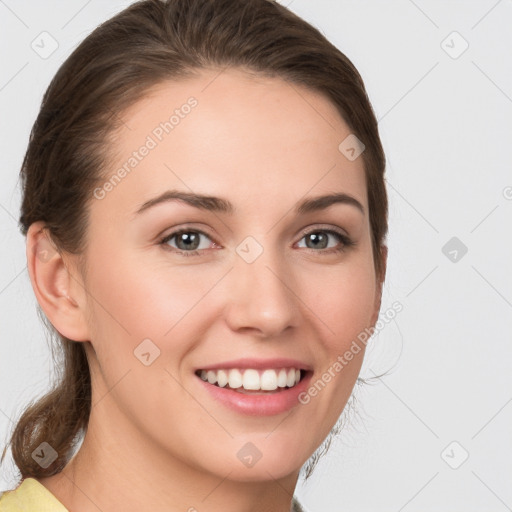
{"x":312,"y":229}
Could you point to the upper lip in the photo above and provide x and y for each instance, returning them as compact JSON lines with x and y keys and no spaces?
{"x":280,"y":362}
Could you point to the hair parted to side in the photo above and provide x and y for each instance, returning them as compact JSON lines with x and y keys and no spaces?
{"x":150,"y":42}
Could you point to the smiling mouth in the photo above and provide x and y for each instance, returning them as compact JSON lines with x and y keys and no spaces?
{"x":252,"y":381}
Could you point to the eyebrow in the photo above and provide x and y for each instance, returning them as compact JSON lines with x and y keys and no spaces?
{"x":219,"y":205}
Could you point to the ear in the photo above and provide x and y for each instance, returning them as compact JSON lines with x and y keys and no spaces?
{"x":379,"y":284}
{"x":59,"y":290}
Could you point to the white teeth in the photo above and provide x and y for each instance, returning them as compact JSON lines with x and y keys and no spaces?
{"x":269,"y":380}
{"x":290,"y":381}
{"x":235,"y":379}
{"x":253,"y":380}
{"x":222,"y":378}
{"x":282,"y":378}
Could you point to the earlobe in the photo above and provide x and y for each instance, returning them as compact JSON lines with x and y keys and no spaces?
{"x":54,"y":286}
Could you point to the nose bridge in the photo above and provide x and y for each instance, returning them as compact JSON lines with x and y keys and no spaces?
{"x":260,"y":294}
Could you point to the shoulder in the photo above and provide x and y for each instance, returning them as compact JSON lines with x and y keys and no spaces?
{"x":30,"y":496}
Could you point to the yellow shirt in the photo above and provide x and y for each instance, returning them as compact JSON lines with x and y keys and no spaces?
{"x":30,"y":496}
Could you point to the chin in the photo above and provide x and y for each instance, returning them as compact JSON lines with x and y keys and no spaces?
{"x":253,"y":465}
{"x":262,"y":472}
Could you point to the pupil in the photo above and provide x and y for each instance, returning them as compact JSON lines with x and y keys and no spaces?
{"x":319,"y":237}
{"x":190,"y":240}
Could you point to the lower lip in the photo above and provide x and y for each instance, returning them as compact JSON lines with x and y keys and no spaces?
{"x":265,"y":404}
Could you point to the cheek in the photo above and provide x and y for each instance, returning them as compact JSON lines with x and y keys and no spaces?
{"x":148,"y":300}
{"x":343,"y":301}
{"x":144,"y":301}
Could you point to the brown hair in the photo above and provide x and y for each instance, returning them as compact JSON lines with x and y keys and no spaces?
{"x":150,"y":42}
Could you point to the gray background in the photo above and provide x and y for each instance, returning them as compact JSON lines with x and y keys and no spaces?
{"x":445,"y":121}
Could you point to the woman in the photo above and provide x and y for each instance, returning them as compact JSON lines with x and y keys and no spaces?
{"x":205,"y":212}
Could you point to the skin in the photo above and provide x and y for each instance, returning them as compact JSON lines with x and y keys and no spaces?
{"x":156,"y":440}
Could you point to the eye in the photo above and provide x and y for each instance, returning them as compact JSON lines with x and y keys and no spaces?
{"x":188,"y":241}
{"x":319,"y":239}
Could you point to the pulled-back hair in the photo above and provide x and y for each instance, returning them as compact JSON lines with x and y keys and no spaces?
{"x":150,"y":42}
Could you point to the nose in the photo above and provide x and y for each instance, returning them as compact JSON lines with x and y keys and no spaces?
{"x":261,"y":297}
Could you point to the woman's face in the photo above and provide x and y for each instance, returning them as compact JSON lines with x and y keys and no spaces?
{"x":253,"y":285}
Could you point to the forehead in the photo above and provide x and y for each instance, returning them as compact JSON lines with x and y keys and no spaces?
{"x":231,"y":133}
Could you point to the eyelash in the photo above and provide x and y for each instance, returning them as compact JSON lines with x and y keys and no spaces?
{"x":346,"y":242}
